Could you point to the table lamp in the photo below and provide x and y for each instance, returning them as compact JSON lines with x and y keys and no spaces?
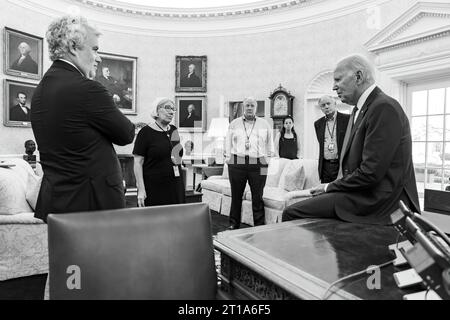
{"x":218,"y":129}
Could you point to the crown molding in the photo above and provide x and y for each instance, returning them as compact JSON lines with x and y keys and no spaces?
{"x":194,"y":13}
{"x":390,"y":37}
{"x":302,"y":13}
{"x":419,"y":68}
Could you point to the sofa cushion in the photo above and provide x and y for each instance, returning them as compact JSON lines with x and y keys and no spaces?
{"x":276,"y":167}
{"x":216,"y":185}
{"x":293,"y":176}
{"x":311,"y":173}
{"x":34,"y":185}
{"x":225,"y":171}
{"x":12,"y":192}
{"x":273,"y":197}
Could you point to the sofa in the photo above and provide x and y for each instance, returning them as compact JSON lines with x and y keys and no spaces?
{"x":288,"y":182}
{"x":23,"y":238}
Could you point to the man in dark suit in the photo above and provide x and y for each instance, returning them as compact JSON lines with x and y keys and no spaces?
{"x":330,"y":132}
{"x":75,"y":123}
{"x":25,"y":63}
{"x":376,"y":162}
{"x":191,"y":118}
{"x":110,"y":83}
{"x":20,"y":112}
{"x":191,"y":79}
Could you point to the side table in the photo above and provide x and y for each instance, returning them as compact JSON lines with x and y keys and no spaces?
{"x":206,"y":171}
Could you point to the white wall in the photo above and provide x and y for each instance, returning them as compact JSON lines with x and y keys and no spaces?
{"x":238,"y":66}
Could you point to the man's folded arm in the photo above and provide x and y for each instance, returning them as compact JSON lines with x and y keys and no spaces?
{"x":104,"y":116}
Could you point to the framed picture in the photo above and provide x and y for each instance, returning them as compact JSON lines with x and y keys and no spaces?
{"x":23,"y":54}
{"x":281,"y":103}
{"x":16,"y":107}
{"x":277,"y":123}
{"x":236,"y":109}
{"x":190,"y":75}
{"x":118,"y":74}
{"x":191,"y":113}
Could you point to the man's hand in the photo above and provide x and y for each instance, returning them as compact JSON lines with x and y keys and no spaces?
{"x":142,"y":195}
{"x":319,"y":189}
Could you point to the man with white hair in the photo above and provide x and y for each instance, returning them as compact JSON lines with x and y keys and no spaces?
{"x":376,"y":168}
{"x":76,"y":122}
{"x":25,"y":62}
{"x":249,"y":145}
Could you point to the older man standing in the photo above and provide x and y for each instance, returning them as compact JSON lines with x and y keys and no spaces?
{"x":75,"y":123}
{"x":330,"y":132}
{"x":249,"y":144}
{"x":376,"y":162}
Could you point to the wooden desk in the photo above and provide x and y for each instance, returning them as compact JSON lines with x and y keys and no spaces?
{"x":300,"y":259}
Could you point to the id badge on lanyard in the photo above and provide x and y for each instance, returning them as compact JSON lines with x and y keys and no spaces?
{"x":176,"y":171}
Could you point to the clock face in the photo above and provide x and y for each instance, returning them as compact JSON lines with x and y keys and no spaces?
{"x":280,"y":105}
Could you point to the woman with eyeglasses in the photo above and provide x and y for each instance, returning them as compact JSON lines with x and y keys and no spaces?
{"x":157,"y":159}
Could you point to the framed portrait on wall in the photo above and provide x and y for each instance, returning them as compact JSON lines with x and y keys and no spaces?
{"x":236,"y":109}
{"x":118,"y":74}
{"x":190,"y":75}
{"x":191,"y":113}
{"x":17,"y":101}
{"x":23,"y":54}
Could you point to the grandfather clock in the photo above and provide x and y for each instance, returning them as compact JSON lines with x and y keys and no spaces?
{"x":281,"y":102}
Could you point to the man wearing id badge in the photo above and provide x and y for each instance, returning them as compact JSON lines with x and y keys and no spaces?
{"x":157,"y":159}
{"x":330,"y":132}
{"x":249,"y":144}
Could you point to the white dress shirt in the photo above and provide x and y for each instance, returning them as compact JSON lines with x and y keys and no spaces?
{"x":362,"y":99}
{"x":260,"y":138}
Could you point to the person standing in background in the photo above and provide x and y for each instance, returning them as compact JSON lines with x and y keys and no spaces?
{"x":157,"y":159}
{"x":330,"y":132}
{"x":249,"y":145}
{"x":287,"y":144}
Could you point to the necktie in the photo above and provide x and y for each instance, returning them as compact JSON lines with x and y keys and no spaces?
{"x":346,"y":138}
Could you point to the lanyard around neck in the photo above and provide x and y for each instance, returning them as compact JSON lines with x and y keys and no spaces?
{"x":165,"y":131}
{"x":248,"y":135}
{"x":332,"y":130}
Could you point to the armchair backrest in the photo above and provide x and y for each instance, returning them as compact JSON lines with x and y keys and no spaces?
{"x":159,"y":253}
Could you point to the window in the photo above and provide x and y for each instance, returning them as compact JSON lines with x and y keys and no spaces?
{"x":430,"y":128}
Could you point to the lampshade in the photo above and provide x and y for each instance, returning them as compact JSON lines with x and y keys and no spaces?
{"x":218,"y":128}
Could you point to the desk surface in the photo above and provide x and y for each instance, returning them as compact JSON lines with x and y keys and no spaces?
{"x":305,"y":256}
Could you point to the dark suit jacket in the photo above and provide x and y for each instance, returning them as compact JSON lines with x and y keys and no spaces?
{"x":189,"y":122}
{"x":192,"y":81}
{"x":377,"y":164}
{"x":75,"y":123}
{"x":341,"y":127}
{"x":27,"y":65}
{"x":16,"y":114}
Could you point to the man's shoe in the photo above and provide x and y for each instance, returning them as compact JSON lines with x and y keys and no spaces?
{"x":232,"y":227}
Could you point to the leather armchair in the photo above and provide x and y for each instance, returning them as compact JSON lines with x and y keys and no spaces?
{"x":156,"y":253}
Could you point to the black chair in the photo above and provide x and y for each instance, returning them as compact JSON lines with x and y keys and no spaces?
{"x":158,"y":253}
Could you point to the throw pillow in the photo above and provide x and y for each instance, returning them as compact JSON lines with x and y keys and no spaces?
{"x":225,"y":171}
{"x":276,"y":167}
{"x":293,"y":177}
{"x":34,"y":185}
{"x":12,"y":193}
